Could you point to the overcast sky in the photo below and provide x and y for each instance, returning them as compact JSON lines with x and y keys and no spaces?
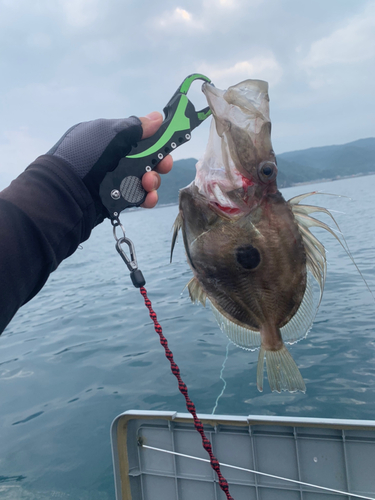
{"x":67,"y":61}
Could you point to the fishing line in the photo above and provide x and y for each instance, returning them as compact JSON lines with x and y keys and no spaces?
{"x":222,"y":378}
{"x":301,"y":483}
{"x":184,"y":391}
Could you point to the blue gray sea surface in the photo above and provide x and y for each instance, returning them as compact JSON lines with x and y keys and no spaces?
{"x":84,"y":350}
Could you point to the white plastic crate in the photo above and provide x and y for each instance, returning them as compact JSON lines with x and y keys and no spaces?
{"x":336,"y":454}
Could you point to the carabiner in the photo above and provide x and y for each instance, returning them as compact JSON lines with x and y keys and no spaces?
{"x":132,"y":262}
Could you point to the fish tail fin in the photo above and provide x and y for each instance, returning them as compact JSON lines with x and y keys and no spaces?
{"x":283,"y":373}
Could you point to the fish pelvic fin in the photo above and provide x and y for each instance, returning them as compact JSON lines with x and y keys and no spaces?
{"x":241,"y":336}
{"x":176,"y":227}
{"x":283,"y":373}
{"x":196,"y":292}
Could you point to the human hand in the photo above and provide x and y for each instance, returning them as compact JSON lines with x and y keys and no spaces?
{"x":94,"y":148}
{"x":151,"y":180}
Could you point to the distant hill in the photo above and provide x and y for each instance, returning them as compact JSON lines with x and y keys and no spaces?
{"x":307,"y":165}
{"x":328,"y":162}
{"x":324,"y":157}
{"x":183,"y":172}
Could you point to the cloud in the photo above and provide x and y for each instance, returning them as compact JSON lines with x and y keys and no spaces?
{"x":100,"y":51}
{"x":80,"y":13}
{"x":205,"y":16}
{"x":74,"y":60}
{"x":261,"y":67}
{"x":182,"y":14}
{"x":226,"y":5}
{"x":351,"y":44}
{"x":39,"y":41}
{"x":177,"y":19}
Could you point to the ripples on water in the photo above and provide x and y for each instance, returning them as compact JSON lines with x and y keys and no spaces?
{"x":84,"y":350}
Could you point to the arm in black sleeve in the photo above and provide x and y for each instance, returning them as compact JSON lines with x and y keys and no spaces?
{"x":52,"y":207}
{"x":44,"y":215}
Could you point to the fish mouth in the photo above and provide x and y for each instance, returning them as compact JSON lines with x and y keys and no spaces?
{"x":226,"y":196}
{"x":232,"y":203}
{"x":227,"y":210}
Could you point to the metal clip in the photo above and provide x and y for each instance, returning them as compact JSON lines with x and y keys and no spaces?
{"x":131,"y":263}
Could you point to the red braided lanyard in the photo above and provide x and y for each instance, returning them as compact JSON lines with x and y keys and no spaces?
{"x":189,"y":404}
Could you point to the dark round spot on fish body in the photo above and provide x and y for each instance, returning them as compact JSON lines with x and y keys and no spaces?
{"x":248,"y":257}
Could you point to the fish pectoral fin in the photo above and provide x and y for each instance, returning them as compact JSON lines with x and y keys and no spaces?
{"x":283,"y":373}
{"x":196,"y":292}
{"x":176,"y":227}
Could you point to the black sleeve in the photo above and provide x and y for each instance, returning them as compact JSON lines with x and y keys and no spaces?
{"x":44,"y":215}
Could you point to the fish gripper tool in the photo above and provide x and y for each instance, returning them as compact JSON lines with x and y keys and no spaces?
{"x":122,"y":187}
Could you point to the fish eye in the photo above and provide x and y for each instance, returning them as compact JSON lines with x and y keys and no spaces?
{"x":248,"y":257}
{"x":267,"y":171}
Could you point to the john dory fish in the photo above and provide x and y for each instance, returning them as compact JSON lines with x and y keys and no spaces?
{"x":251,"y":252}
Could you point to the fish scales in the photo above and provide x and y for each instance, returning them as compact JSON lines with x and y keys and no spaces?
{"x":251,"y":252}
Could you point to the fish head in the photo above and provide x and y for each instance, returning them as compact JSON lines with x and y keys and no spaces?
{"x":239,"y":167}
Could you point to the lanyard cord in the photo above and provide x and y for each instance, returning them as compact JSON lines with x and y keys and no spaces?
{"x":189,"y":404}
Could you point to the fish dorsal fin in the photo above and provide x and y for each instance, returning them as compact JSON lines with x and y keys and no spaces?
{"x":196,"y":292}
{"x":240,"y":336}
{"x":315,"y":255}
{"x":300,"y":324}
{"x":176,"y":227}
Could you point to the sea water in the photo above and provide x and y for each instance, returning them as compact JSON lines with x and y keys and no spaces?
{"x":84,"y":350}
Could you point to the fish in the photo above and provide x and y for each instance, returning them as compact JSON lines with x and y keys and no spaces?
{"x":253,"y":256}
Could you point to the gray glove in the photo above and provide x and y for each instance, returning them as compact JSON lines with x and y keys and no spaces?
{"x":94,"y":148}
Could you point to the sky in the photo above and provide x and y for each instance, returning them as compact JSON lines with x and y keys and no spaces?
{"x":67,"y":61}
